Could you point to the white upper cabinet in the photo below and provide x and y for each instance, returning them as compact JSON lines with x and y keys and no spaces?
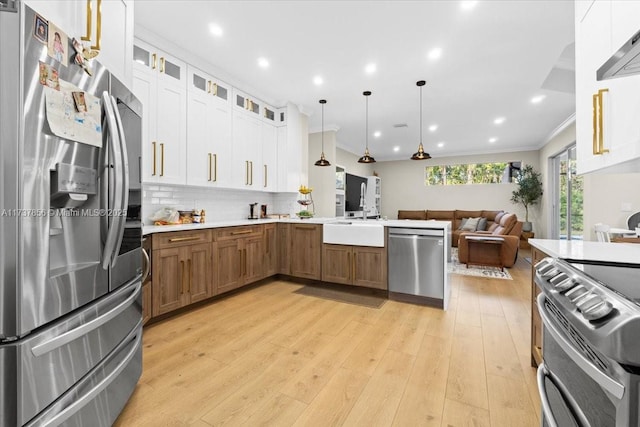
{"x":290,"y":151}
{"x":102,"y":25}
{"x":247,"y":151}
{"x":269,"y":157}
{"x":160,"y":84}
{"x":209,"y":143}
{"x":607,"y":128}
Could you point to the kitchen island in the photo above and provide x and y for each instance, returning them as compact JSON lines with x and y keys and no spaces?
{"x":196,"y":262}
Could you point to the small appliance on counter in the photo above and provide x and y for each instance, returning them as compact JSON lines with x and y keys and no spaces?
{"x":253,"y":211}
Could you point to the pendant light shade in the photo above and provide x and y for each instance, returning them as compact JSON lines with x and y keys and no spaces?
{"x":322,"y":161}
{"x":420,"y":154}
{"x":367,"y":157}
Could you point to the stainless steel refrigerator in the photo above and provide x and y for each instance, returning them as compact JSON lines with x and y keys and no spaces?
{"x":70,"y":232}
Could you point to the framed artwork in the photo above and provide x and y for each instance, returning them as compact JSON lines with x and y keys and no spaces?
{"x":41,"y":29}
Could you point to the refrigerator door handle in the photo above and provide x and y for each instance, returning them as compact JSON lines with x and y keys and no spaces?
{"x":76,"y":406}
{"x":114,"y":149}
{"x":123,"y":180}
{"x":76,"y":333}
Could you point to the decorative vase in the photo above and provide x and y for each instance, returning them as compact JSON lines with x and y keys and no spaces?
{"x":526,"y":226}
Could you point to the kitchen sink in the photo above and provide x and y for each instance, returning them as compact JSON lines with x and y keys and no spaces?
{"x":356,"y":233}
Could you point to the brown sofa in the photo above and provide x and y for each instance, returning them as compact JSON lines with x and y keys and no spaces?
{"x":499,"y":223}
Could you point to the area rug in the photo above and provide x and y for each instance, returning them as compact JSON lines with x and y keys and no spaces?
{"x":455,"y":267}
{"x":363,"y":297}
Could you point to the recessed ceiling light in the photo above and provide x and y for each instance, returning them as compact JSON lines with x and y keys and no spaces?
{"x":468,"y":4}
{"x":396,"y":148}
{"x":433,"y":128}
{"x":370,"y":68}
{"x":435,"y":53}
{"x":263,"y":63}
{"x":216,"y":30}
{"x":440,"y":144}
{"x":377,"y":134}
{"x":492,"y":140}
{"x":317,"y":80}
{"x":537,"y":99}
{"x":499,"y":120}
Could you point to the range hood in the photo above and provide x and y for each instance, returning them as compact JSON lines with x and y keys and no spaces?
{"x":624,"y":62}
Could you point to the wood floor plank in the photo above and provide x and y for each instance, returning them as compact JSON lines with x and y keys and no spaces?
{"x":510,"y":403}
{"x":467,"y":382}
{"x":408,"y":338}
{"x":279,"y":410}
{"x":378,"y":402}
{"x":501,"y":357}
{"x":458,"y":414}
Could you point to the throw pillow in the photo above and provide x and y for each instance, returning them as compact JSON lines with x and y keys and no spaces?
{"x":471,"y":224}
{"x":482,"y":224}
{"x":463,"y":221}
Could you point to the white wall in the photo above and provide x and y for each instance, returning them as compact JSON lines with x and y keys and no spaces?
{"x":323,"y":179}
{"x":403,"y":186}
{"x":350,"y":162}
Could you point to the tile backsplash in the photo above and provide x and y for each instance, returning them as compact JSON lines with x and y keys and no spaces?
{"x":220,"y":204}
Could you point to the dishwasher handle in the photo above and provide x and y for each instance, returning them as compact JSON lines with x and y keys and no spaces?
{"x":415,"y":232}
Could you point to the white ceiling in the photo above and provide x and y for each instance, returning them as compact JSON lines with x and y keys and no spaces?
{"x":495,"y":58}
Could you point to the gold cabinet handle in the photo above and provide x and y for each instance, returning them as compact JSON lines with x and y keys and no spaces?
{"x":595,"y":124}
{"x":154,"y":158}
{"x":189,"y":276}
{"x":209,"y":167}
{"x":87,"y":37}
{"x":601,"y":149}
{"x":246,"y":103}
{"x":215,"y":168}
{"x":235,"y":233}
{"x":154,"y":61}
{"x":246,"y":175}
{"x":184,"y":239}
{"x":209,"y":86}
{"x":265,"y":176}
{"x":162,"y":64}
{"x":181,"y":277}
{"x":251,"y":174}
{"x":162,"y":159}
{"x":215,"y":89}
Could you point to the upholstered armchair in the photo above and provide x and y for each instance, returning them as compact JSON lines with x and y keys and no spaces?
{"x":506,"y":227}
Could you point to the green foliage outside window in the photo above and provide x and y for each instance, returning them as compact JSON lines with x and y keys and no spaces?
{"x":473,"y":173}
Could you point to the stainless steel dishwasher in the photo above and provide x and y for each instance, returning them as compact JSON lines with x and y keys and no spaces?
{"x":417,"y":265}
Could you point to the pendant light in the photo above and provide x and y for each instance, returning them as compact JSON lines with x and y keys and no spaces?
{"x":420,"y":154}
{"x":366,"y":158}
{"x":322,"y":161}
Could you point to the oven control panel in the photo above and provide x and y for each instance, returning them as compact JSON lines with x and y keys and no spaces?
{"x":583,"y":295}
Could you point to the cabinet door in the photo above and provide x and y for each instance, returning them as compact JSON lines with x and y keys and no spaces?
{"x":370,"y":267}
{"x":199,"y":136}
{"x":145,"y":89}
{"x":168,"y":280}
{"x":253,"y":259}
{"x":337,"y":264}
{"x":146,"y":302}
{"x":269,"y":157}
{"x":306,"y":250}
{"x":199,"y":270}
{"x":230,"y":265}
{"x":284,"y":246}
{"x":116,"y":40}
{"x":222,"y":143}
{"x":171,"y":132}
{"x":270,"y":250}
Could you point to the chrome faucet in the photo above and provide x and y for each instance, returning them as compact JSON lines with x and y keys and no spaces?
{"x":363,"y":203}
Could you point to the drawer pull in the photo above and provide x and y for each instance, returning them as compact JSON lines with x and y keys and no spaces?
{"x":184,"y":239}
{"x":235,"y":233}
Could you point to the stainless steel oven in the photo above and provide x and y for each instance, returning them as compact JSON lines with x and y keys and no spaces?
{"x":590,"y":374}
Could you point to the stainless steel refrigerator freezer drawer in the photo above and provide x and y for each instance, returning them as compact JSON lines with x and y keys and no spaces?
{"x":99,"y":397}
{"x":39,"y":369}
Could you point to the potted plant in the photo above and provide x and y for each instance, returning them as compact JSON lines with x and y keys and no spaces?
{"x":528,"y":193}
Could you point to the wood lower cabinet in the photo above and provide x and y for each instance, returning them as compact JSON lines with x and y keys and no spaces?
{"x":355,"y":265}
{"x":270,"y":250}
{"x":239,"y":257}
{"x":536,"y":321}
{"x":305,"y":251}
{"x":181,"y":270}
{"x":284,"y":247}
{"x":146,"y":302}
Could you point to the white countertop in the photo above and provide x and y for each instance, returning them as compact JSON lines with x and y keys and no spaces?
{"x":150,"y":229}
{"x":589,"y":251}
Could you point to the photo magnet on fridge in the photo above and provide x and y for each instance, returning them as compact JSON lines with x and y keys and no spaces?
{"x":78,"y":99}
{"x":57,"y":45}
{"x":41,"y":29}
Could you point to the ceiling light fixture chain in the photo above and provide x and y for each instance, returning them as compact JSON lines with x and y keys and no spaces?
{"x":367,"y":157}
{"x":323,"y":161}
{"x":420,"y":154}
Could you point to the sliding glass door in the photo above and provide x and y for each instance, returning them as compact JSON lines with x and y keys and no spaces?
{"x":568,"y":197}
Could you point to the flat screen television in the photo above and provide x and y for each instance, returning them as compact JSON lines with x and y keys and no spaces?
{"x":352,"y":192}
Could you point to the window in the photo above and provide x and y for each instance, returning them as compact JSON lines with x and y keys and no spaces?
{"x":472,"y":173}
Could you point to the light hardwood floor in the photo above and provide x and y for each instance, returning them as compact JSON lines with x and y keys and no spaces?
{"x":271,"y":357}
